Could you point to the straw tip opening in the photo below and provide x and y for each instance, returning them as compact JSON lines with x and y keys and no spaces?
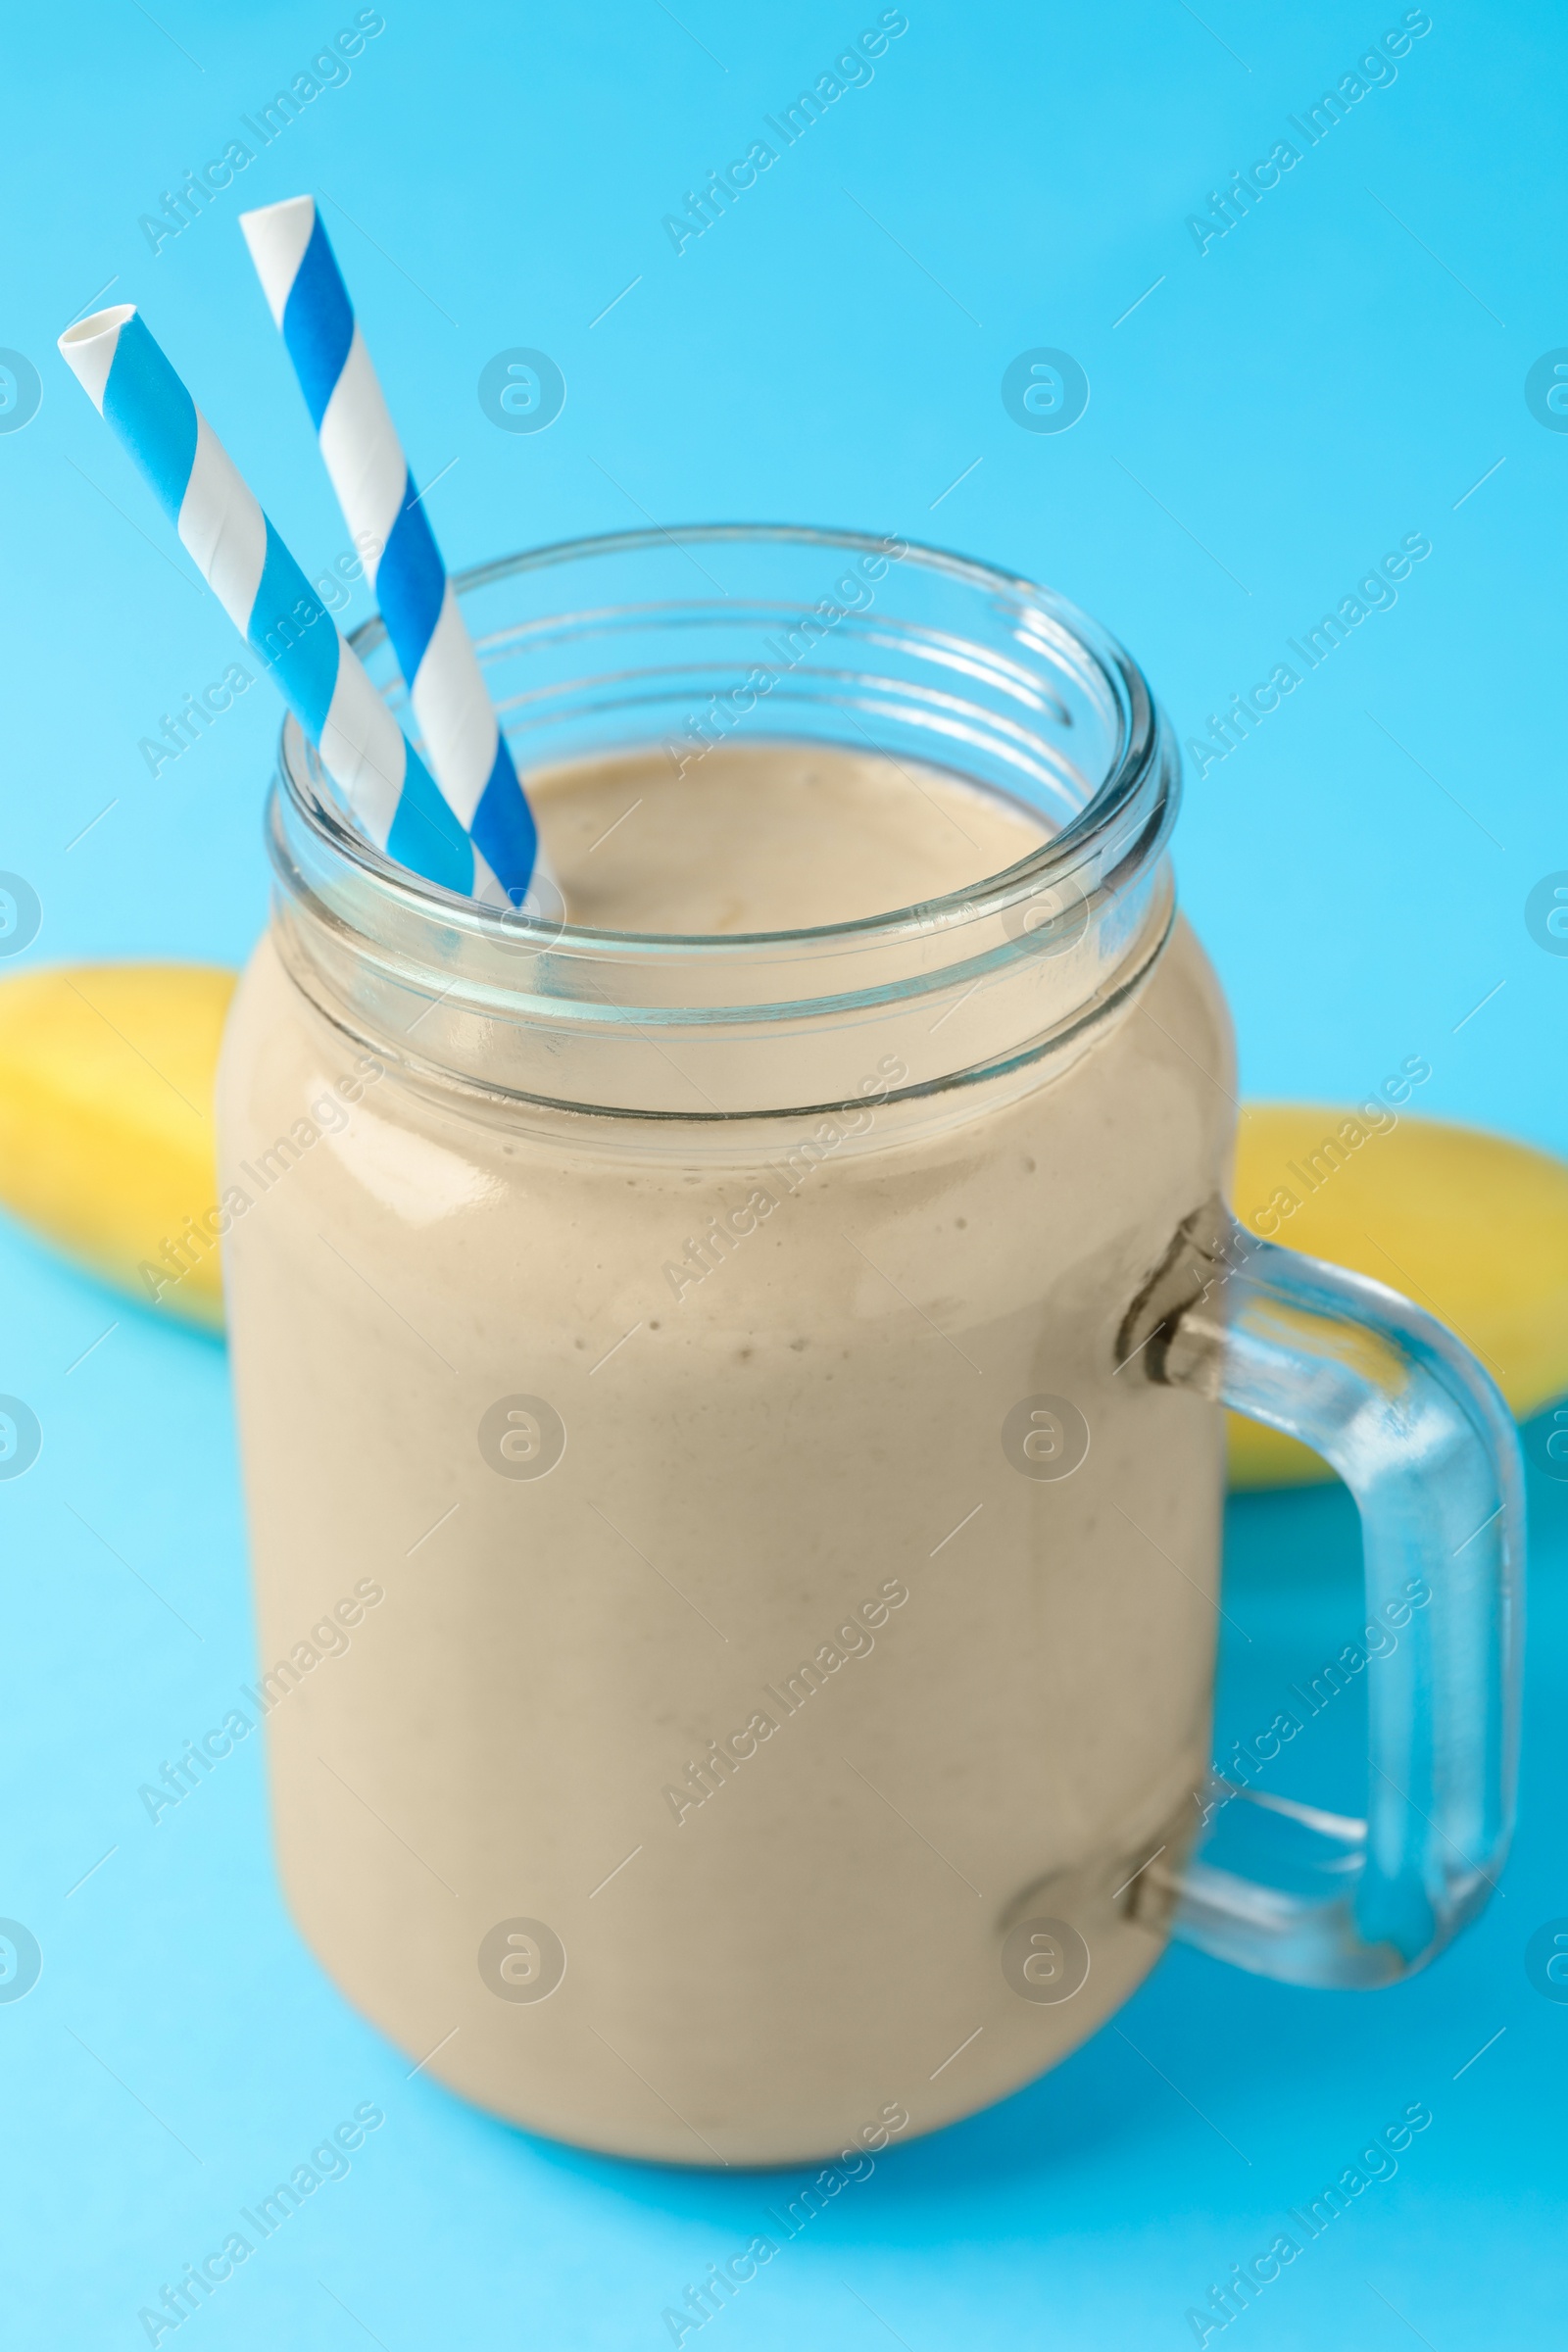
{"x":288,"y":206}
{"x":101,"y":322}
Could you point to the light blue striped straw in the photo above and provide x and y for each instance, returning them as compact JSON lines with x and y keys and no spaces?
{"x":390,"y":529}
{"x":384,"y":782}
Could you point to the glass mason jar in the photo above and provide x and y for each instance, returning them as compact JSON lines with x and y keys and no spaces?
{"x":732,"y":1425}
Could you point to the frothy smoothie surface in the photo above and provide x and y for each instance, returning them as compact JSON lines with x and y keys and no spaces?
{"x":766,"y":837}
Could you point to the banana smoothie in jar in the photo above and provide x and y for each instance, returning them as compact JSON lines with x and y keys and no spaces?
{"x":736,"y":1588}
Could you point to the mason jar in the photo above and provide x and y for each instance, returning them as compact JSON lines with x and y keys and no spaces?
{"x":732,"y":1423}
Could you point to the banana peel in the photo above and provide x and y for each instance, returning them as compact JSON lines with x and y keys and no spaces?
{"x":1468,"y":1225}
{"x":106,"y":1121}
{"x":105,"y":1146}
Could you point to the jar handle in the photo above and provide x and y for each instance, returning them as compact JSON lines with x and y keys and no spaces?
{"x":1425,"y":1443}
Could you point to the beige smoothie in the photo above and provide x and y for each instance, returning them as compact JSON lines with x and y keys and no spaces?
{"x":756,"y":1656}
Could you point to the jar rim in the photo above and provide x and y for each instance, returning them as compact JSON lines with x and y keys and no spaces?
{"x":962,"y":664}
{"x":1142,"y":778}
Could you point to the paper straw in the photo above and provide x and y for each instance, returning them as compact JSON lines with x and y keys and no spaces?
{"x":381,"y":777}
{"x":390,"y":529}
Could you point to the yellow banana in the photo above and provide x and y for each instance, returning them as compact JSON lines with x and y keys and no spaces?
{"x":106,"y":1145}
{"x":106,"y":1120}
{"x":1471,"y":1227}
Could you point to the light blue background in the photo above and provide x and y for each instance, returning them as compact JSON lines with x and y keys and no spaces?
{"x":1276,"y":415}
